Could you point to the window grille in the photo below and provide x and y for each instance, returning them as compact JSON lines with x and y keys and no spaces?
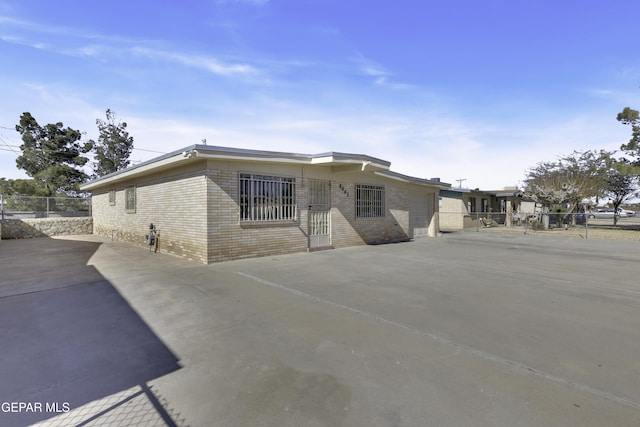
{"x":267,"y":198}
{"x":130,"y":199}
{"x":112,"y":197}
{"x":369,"y":201}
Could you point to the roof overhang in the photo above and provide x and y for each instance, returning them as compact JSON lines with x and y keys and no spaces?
{"x":159,"y":164}
{"x":343,"y":162}
{"x":510,"y":194}
{"x":413,"y":180}
{"x":339,"y":162}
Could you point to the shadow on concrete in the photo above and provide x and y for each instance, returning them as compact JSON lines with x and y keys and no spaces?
{"x":68,"y":336}
{"x":12,"y":227}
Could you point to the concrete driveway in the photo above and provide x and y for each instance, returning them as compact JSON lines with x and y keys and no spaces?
{"x":464,"y":330}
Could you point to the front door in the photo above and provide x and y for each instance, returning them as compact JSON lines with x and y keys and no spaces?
{"x":319,"y":214}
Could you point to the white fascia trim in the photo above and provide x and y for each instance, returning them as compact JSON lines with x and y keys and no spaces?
{"x":248,"y":158}
{"x":320,"y":160}
{"x":332,"y":161}
{"x":410,"y":180}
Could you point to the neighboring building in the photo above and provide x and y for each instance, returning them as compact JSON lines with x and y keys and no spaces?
{"x":462,"y":208}
{"x":212,"y":204}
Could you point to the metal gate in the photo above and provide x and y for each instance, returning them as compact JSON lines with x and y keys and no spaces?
{"x":319,"y":214}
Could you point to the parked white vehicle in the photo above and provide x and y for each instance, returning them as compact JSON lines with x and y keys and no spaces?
{"x":609,"y":212}
{"x":624,"y":212}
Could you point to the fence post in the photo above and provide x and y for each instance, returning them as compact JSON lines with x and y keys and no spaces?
{"x":586,"y":225}
{"x":2,"y":206}
{"x":47,"y":207}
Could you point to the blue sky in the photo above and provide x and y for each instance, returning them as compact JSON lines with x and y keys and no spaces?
{"x":451,"y":89}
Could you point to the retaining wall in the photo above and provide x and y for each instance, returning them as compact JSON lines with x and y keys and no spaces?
{"x":42,"y":227}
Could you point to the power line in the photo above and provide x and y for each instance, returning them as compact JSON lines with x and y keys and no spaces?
{"x":8,"y":146}
{"x":11,"y":147}
{"x":150,"y":151}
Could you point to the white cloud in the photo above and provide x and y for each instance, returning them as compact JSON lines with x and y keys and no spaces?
{"x":206,"y":63}
{"x":488,"y":156}
{"x":418,"y":143}
{"x":104,"y":46}
{"x":381,"y":77}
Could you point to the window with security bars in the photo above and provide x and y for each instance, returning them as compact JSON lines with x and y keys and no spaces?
{"x":130,"y":199}
{"x":267,"y":198}
{"x":369,"y":201}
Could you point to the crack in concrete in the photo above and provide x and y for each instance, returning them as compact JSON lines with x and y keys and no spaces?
{"x":460,"y":347}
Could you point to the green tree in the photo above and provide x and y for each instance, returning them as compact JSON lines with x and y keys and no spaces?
{"x":52,"y":156}
{"x":631,"y":117}
{"x":585,"y":174}
{"x":620,"y":183}
{"x":569,"y":180}
{"x":114,"y":145}
{"x":20,"y":187}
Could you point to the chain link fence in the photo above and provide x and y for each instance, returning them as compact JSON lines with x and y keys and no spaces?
{"x":531,"y":222}
{"x":19,"y":207}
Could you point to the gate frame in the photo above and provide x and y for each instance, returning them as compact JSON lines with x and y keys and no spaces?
{"x":327,"y":209}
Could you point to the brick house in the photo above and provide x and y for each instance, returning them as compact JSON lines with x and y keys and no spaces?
{"x":212,"y":204}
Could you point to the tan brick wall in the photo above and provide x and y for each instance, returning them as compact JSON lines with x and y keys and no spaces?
{"x":175,"y":204}
{"x":231,"y":239}
{"x":347,"y":230}
{"x":196,"y":210}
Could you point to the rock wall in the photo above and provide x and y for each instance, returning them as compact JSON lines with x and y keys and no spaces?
{"x":42,"y":227}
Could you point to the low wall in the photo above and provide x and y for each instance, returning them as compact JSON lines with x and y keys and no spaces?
{"x":41,"y":227}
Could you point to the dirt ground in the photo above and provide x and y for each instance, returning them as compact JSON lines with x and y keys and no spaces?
{"x":626,"y":229}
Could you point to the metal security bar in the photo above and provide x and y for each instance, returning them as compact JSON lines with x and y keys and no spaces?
{"x":267,"y":198}
{"x":319,"y":212}
{"x":319,"y":193}
{"x":319,"y":223}
{"x":369,"y":201}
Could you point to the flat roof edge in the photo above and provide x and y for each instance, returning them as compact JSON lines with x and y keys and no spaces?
{"x":211,"y":151}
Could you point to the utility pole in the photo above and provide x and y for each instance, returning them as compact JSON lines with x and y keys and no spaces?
{"x":460,"y":181}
